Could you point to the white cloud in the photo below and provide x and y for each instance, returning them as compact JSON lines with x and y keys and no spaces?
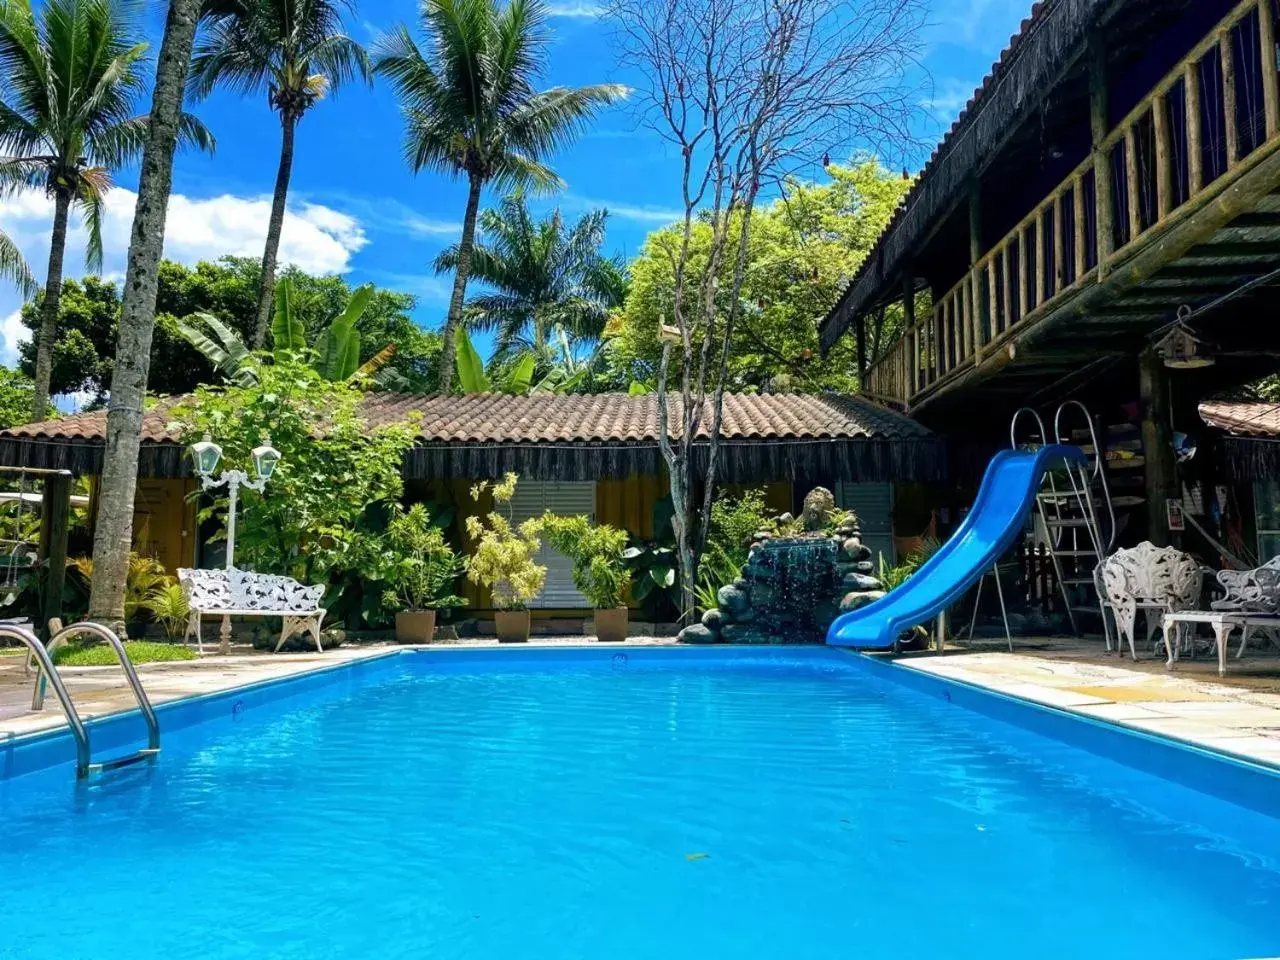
{"x":575,"y":8}
{"x":640,"y":213}
{"x":316,"y":238}
{"x":12,"y":334}
{"x":950,"y":96}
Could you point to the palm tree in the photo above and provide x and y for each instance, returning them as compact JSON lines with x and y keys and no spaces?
{"x":13,"y":267}
{"x":166,"y":122}
{"x":471,"y":110}
{"x":295,"y":52}
{"x":552,"y":291}
{"x":70,"y":86}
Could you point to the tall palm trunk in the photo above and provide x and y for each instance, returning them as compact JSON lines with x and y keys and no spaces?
{"x":49,"y":309}
{"x":114,"y":534}
{"x":267,"y":285}
{"x":465,"y":246}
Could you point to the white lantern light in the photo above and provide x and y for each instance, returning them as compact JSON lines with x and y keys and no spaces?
{"x":265,"y":458}
{"x":206,"y":455}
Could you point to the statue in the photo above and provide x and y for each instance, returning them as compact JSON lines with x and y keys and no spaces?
{"x":818,"y":506}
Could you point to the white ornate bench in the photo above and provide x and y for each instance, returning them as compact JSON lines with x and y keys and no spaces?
{"x":1251,"y":602}
{"x":243,"y":593}
{"x":1150,"y":578}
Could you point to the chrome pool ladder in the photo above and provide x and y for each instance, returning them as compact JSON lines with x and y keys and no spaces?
{"x":48,"y":675}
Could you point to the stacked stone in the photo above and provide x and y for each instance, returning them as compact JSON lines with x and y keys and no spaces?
{"x":858,"y":585}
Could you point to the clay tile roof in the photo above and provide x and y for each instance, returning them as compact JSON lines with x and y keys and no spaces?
{"x":1242,"y":419}
{"x":551,"y":418}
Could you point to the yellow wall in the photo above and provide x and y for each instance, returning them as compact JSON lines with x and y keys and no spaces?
{"x":164,"y":520}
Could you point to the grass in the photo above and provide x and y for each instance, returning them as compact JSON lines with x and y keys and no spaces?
{"x":11,"y":651}
{"x":140,"y":651}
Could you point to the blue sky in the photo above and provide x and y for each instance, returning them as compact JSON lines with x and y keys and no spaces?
{"x":356,"y":209}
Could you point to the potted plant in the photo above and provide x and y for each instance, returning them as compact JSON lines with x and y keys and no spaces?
{"x":599,"y":568}
{"x":420,"y":578}
{"x":502,"y":560}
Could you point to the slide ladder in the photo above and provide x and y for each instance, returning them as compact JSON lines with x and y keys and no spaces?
{"x":1077,"y":521}
{"x":48,"y":674}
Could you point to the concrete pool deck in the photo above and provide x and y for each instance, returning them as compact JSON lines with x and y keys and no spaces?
{"x":1240,"y":719}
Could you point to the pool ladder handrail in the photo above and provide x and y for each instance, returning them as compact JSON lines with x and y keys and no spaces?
{"x":49,"y":675}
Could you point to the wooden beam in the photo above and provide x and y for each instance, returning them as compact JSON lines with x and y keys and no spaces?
{"x":1059,"y":244}
{"x":978,"y":325}
{"x":908,"y":324}
{"x":55,"y":522}
{"x":1270,"y":78}
{"x":992,"y":301}
{"x":1195,"y":140}
{"x":861,"y":333}
{"x":1227,"y":54}
{"x":1099,"y":126}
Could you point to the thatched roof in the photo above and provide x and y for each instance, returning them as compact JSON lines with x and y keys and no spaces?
{"x":1251,"y":441}
{"x":547,"y":436}
{"x":1049,"y":40}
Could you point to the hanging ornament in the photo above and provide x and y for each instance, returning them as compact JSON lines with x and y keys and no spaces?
{"x":1181,"y":349}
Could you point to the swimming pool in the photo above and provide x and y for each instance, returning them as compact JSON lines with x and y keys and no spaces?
{"x":646,"y":803}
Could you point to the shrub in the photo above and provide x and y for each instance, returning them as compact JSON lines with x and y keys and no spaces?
{"x":599,"y":570}
{"x":101,"y":655}
{"x":734,"y":520}
{"x":422,"y":567}
{"x":503,"y":558}
{"x":168,"y":605}
{"x":145,"y":576}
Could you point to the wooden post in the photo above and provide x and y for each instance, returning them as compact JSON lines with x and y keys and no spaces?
{"x":1037,"y":228}
{"x":992,"y":299}
{"x":1059,"y":244}
{"x":908,"y":324}
{"x":860,"y":331}
{"x":55,"y":521}
{"x":1018,"y":285}
{"x":1008,"y":287}
{"x":1132,"y":182}
{"x":1195,"y":146}
{"x":1226,"y":51}
{"x":1164,"y":154}
{"x":980,"y":324}
{"x":1082,"y":243}
{"x":1270,"y":90}
{"x":1157,"y":444}
{"x":1098,"y":126}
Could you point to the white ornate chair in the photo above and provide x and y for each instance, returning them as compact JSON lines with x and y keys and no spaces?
{"x":1255,"y":591}
{"x":1150,"y":578}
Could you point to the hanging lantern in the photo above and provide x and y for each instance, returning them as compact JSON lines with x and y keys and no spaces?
{"x":1181,"y":349}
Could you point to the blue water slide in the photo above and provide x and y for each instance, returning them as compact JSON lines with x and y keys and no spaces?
{"x":998,"y":516}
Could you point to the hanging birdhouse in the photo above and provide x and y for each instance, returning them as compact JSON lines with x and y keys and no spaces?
{"x":1181,"y":349}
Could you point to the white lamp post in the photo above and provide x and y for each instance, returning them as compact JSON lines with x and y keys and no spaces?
{"x":206,"y":455}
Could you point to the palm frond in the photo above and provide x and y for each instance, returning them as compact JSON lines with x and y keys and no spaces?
{"x":14,"y":268}
{"x":224,"y":349}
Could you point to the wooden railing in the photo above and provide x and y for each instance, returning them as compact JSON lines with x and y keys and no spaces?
{"x":1220,"y":105}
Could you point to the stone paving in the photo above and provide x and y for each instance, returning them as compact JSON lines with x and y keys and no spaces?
{"x":1234,"y":718}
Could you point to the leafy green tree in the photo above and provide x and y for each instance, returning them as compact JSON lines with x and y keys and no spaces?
{"x":15,"y":398}
{"x":295,"y":52}
{"x":550,"y":289}
{"x":802,"y":250}
{"x":322,"y":517}
{"x":71,"y":82}
{"x":471,"y":110}
{"x":88,"y":319}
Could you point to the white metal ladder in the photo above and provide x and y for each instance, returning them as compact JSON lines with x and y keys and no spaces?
{"x":48,"y":674}
{"x":1070,"y":522}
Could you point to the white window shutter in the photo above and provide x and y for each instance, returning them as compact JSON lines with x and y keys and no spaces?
{"x":532,"y":499}
{"x":873,"y":503}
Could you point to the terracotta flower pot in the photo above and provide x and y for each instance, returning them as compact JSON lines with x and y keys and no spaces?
{"x":415,"y":626}
{"x":611,"y":625}
{"x":512,"y":626}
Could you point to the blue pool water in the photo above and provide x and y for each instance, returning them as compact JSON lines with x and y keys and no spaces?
{"x":798,"y":805}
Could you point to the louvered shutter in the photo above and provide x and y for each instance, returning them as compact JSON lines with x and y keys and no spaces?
{"x":532,"y":499}
{"x":873,"y":503}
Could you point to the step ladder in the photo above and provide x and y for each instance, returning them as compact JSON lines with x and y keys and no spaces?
{"x":48,"y":675}
{"x":1076,"y":519}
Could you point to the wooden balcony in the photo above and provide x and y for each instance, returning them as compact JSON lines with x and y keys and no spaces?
{"x":1178,"y":202}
